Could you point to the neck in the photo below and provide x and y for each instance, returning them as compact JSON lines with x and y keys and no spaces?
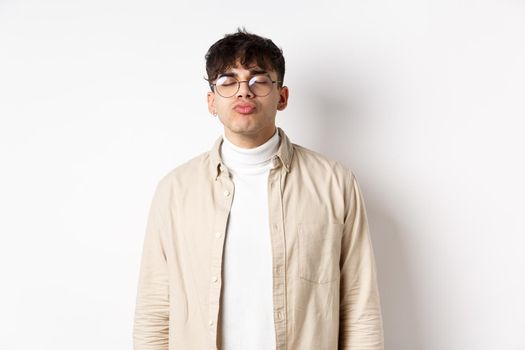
{"x":249,"y":159}
{"x":249,"y":141}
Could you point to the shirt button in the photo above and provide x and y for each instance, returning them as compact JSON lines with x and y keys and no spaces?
{"x":218,"y":234}
{"x":226,"y":193}
{"x":210,"y":322}
{"x":278,"y":270}
{"x":279,"y":315}
{"x":215,"y":279}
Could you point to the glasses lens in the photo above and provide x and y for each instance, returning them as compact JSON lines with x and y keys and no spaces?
{"x":260,"y":85}
{"x":226,"y":86}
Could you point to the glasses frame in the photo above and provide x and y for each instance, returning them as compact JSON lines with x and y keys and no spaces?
{"x":214,"y":86}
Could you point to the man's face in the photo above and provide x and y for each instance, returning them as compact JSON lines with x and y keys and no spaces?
{"x":248,"y":120}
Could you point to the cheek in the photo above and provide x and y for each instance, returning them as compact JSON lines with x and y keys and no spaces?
{"x":271,"y":100}
{"x":219,"y":105}
{"x":276,"y":101}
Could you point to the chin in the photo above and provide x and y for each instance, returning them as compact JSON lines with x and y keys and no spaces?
{"x":244,"y":127}
{"x":244,"y":131}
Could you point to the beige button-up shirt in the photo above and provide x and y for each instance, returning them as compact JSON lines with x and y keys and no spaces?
{"x":325,"y":294}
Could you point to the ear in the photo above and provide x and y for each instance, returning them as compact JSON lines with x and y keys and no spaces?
{"x":283,"y":98}
{"x":211,"y":103}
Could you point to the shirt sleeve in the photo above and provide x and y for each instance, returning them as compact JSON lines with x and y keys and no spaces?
{"x":151,"y":324}
{"x":360,"y":323}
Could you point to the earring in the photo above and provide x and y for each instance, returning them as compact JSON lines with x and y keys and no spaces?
{"x":214,"y":113}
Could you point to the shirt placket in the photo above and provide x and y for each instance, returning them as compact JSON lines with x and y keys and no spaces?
{"x":224,"y":190}
{"x":275,"y":178}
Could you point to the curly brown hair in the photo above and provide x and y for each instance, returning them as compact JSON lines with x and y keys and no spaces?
{"x":246,"y":47}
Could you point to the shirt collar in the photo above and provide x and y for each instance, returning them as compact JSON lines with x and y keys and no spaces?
{"x":283,"y":156}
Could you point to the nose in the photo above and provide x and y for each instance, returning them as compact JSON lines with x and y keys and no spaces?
{"x":244,"y":89}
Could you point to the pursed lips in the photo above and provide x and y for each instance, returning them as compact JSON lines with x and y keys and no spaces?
{"x":244,"y":108}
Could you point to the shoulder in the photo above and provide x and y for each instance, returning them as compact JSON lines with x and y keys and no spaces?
{"x":191,"y":170}
{"x":306,"y":159}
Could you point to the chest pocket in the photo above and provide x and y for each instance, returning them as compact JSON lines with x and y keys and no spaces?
{"x":319,"y":251}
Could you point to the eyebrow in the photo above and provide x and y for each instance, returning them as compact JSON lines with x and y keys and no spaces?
{"x":254,"y":71}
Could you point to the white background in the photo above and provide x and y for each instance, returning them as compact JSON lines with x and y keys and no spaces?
{"x":424,"y":100}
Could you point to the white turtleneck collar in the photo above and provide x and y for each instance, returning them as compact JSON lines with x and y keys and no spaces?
{"x":249,"y":160}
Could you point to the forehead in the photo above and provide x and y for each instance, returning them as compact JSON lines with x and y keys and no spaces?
{"x":250,"y":69}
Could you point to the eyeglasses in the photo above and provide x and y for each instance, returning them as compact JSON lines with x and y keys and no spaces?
{"x":259,"y":85}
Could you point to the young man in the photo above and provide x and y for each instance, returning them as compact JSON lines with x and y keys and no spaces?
{"x":259,"y":243}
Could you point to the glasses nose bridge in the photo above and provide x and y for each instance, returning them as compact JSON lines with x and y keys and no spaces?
{"x":248,"y":88}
